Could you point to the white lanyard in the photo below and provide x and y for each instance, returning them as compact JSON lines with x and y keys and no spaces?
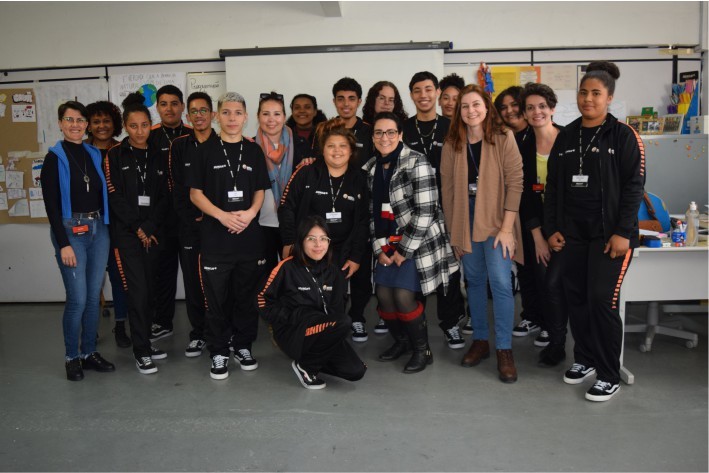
{"x":142,"y":173}
{"x":421,"y":135}
{"x":317,"y":286}
{"x":332,"y":192}
{"x":168,"y":136}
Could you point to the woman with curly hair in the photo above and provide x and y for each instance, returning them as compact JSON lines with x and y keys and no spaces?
{"x":383,"y":97}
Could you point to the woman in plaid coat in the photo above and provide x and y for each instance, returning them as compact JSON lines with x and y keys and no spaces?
{"x":408,"y":239}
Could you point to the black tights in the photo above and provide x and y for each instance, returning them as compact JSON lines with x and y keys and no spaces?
{"x":394,"y":299}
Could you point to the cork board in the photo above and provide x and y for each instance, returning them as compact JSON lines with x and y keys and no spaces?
{"x":20,"y":161}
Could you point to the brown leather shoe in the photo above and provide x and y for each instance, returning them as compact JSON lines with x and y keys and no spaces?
{"x":479,"y":350}
{"x":506,"y":366}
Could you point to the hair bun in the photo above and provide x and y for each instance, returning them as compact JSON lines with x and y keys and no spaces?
{"x":606,"y":66}
{"x":133,"y":98}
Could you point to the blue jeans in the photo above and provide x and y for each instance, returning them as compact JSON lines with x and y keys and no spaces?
{"x":482,"y":264}
{"x":83,"y":284}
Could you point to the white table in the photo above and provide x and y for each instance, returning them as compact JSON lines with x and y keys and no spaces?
{"x":663,"y":274}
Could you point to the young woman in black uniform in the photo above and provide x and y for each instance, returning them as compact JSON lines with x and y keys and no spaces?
{"x":383,"y":97}
{"x":304,"y":301}
{"x":74,"y":190}
{"x":304,"y":119}
{"x":137,"y":191}
{"x":596,"y":174}
{"x":336,"y":190}
{"x":228,"y":183}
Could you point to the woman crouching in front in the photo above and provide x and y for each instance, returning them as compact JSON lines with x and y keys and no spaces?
{"x":304,"y":301}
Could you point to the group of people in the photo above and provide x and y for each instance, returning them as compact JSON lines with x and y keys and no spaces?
{"x":281,"y":224}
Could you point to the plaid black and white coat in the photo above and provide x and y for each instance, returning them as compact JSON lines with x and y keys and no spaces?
{"x":413,"y":197}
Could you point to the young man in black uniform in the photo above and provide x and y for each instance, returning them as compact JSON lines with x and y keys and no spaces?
{"x":227,"y":183}
{"x":170,"y":107}
{"x":425,"y":133}
{"x":182,"y":154}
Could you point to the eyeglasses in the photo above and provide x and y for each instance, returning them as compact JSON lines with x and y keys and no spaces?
{"x":271,"y":96}
{"x":79,"y":121}
{"x":200,"y":111}
{"x":322,"y":239}
{"x":391,"y":134}
{"x":383,"y":99}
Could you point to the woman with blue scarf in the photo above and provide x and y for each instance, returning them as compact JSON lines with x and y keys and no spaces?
{"x":283,"y":154}
{"x":75,"y":196}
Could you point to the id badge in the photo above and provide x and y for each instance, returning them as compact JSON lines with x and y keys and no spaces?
{"x":473,"y":188}
{"x":333,"y":217}
{"x":538,"y":188}
{"x":235,"y":196}
{"x":144,"y":201}
{"x":79,"y":230}
{"x":579,"y":180}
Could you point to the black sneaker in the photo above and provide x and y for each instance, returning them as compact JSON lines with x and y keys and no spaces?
{"x":96,"y":362}
{"x":552,"y":355}
{"x":455,"y":341}
{"x":577,"y":373}
{"x":145,"y":365}
{"x":220,"y":367}
{"x":158,"y":331}
{"x":381,"y":327}
{"x":122,"y":339}
{"x":73,"y":369}
{"x":542,"y":339}
{"x":244,"y":358}
{"x":468,"y":327}
{"x":359,"y":333}
{"x":309,"y":381}
{"x":195,"y":348}
{"x":524,"y":328}
{"x":602,"y":391}
{"x":157,"y":354}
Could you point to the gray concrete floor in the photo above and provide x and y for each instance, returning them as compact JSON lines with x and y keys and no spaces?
{"x":447,"y":418}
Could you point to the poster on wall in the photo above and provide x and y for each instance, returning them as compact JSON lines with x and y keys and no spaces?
{"x":52,"y":94}
{"x":147,"y":84}
{"x":211,"y":83}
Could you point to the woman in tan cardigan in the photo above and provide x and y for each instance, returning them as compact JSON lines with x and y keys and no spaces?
{"x":481,"y":188}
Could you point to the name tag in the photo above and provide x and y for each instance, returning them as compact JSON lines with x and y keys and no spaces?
{"x":333,"y":217}
{"x":235,"y":196}
{"x":579,"y":180}
{"x":473,"y":188}
{"x":144,"y":201}
{"x":79,"y":230}
{"x":359,"y":145}
{"x":538,"y":187}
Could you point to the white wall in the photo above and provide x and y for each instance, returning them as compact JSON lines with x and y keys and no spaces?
{"x":128,"y":32}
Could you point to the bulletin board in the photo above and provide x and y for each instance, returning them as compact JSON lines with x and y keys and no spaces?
{"x":20,"y":164}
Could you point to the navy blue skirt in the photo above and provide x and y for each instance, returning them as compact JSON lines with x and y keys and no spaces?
{"x":402,"y":277}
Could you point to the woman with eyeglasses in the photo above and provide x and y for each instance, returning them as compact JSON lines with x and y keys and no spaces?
{"x":336,"y":190}
{"x":383,"y":97}
{"x":481,"y":186}
{"x":137,"y":189}
{"x":304,"y":301}
{"x":283,"y":154}
{"x":304,"y":119}
{"x":104,"y":126}
{"x":76,"y":200}
{"x":408,"y":240}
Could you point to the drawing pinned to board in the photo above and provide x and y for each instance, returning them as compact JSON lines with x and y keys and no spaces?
{"x":36,"y":193}
{"x":24,"y":113}
{"x":19,"y":209}
{"x":14,"y":179}
{"x":2,"y":172}
{"x":121,"y":85}
{"x":37,"y":209}
{"x":14,"y":194}
{"x":3,"y":201}
{"x":3,"y":107}
{"x":37,"y":171}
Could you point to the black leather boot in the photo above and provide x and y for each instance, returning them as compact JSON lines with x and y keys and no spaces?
{"x":401,"y":341}
{"x":122,"y":339}
{"x":418,"y":335}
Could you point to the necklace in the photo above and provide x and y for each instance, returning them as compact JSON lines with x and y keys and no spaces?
{"x":583,"y":154}
{"x":84,"y":172}
{"x":423,"y":137}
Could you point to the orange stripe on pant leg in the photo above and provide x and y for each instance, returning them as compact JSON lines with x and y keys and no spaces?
{"x":119,"y":264}
{"x":623,"y":270}
{"x":201,"y":281}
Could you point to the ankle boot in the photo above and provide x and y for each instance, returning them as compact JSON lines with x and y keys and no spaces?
{"x":401,"y":341}
{"x":506,"y":366}
{"x":122,"y":339}
{"x":479,"y":350}
{"x":418,"y":335}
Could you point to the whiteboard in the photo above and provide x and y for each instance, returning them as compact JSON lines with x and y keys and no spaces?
{"x":316,"y":73}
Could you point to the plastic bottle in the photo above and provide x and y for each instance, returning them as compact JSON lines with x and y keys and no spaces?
{"x":692,"y":235}
{"x":678,"y":235}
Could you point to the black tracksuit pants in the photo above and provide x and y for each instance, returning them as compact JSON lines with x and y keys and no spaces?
{"x":194,"y":296}
{"x":592,"y":282}
{"x":532,"y":287}
{"x":166,"y":284}
{"x":556,"y":313}
{"x":231,"y":284}
{"x":329,"y":352}
{"x":137,"y":267}
{"x":360,"y":283}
